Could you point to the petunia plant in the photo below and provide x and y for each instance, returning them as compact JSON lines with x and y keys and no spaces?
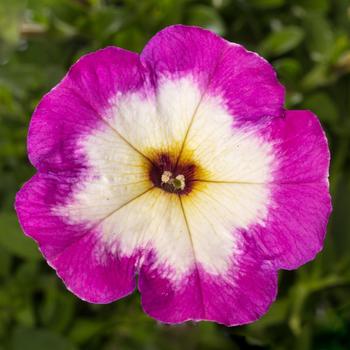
{"x":177,"y":171}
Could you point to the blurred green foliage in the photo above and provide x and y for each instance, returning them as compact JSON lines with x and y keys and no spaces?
{"x":308,"y":42}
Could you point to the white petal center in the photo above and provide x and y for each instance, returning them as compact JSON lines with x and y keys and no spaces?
{"x":229,"y":194}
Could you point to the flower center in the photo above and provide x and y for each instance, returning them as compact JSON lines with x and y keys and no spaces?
{"x":175,"y":183}
{"x":171,"y":177}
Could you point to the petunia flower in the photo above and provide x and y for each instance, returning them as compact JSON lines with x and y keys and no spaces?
{"x":179,"y":167}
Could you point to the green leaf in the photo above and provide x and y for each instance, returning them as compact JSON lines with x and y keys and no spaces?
{"x":13,"y":239}
{"x":318,"y":76}
{"x":314,"y":5}
{"x":57,"y":308}
{"x":39,"y":339}
{"x":282,"y":41}
{"x":25,"y":316}
{"x":318,"y":34}
{"x":85,"y":329}
{"x":104,"y":22}
{"x":5,"y":262}
{"x":276,"y":314}
{"x":288,"y":69}
{"x":323,"y":106}
{"x":206,"y":17}
{"x":266,"y":4}
{"x":10,"y":16}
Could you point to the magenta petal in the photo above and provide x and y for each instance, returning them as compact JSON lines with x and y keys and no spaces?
{"x":102,"y":74}
{"x":34,"y":203}
{"x":238,"y":296}
{"x":300,"y":205}
{"x":76,"y":106}
{"x":246,"y":82}
{"x":93,"y":273}
{"x":300,"y":147}
{"x":296,"y":225}
{"x":85,"y":265}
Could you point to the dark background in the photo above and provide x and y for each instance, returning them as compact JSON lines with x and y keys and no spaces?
{"x":308,"y":43}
